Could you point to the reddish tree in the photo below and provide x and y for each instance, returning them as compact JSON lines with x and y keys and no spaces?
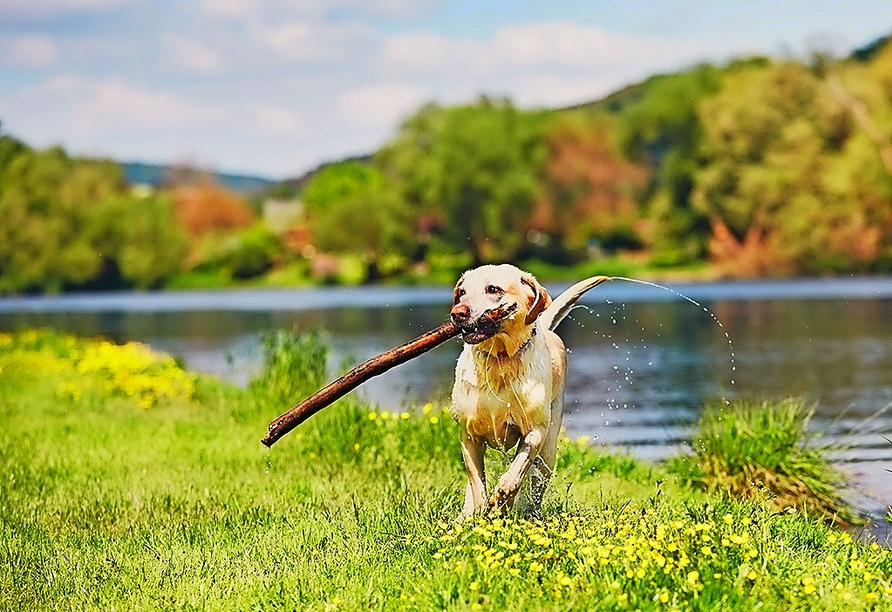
{"x":205,"y":206}
{"x":589,"y":190}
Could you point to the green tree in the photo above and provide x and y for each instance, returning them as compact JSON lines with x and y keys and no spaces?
{"x":372,"y":223}
{"x":790,"y":183}
{"x":474,"y":168}
{"x":70,"y":223}
{"x":151,"y":246}
{"x":337,"y":182}
{"x":660,"y":129}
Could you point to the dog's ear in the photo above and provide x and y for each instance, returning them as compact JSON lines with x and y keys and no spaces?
{"x":539,"y":300}
{"x":458,"y":292}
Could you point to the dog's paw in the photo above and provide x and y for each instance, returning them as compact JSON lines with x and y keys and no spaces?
{"x":500,"y":500}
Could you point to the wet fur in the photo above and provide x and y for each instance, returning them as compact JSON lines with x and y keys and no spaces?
{"x":509,"y":381}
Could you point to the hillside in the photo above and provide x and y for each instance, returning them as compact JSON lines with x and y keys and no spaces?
{"x":138,"y":173}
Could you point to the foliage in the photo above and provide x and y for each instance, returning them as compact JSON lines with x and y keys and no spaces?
{"x":372,"y":223}
{"x":257,"y":250}
{"x":106,"y":505}
{"x":340,"y":181}
{"x":790,"y":183}
{"x":473,"y":169}
{"x":661,"y":129}
{"x":131,"y":370}
{"x":71,"y":223}
{"x":148,"y":223}
{"x":755,"y":168}
{"x":589,"y":190}
{"x":294,"y":365}
{"x":761,"y":449}
{"x":204,"y":207}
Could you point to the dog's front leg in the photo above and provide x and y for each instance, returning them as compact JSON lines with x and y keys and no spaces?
{"x":472,"y":450}
{"x":509,"y":483}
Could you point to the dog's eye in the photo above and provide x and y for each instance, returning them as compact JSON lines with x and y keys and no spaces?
{"x":461,"y":293}
{"x":494,"y":290}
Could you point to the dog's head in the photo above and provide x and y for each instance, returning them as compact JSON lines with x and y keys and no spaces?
{"x":515,"y":296}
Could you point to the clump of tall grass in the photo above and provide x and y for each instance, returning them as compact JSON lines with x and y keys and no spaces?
{"x":294,"y":366}
{"x":762,"y":449}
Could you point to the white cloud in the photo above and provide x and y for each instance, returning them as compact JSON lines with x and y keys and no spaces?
{"x":553,"y":63}
{"x":277,"y":120}
{"x":52,"y":8}
{"x":230,"y":9}
{"x":381,"y":105}
{"x":561,"y":46}
{"x":30,"y":51}
{"x":190,"y":55}
{"x":278,"y":86}
{"x":117,"y":102}
{"x":265,"y":9}
{"x":309,"y":41}
{"x":74,"y":105}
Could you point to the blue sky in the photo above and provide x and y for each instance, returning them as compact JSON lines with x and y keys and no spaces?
{"x":275,"y":87}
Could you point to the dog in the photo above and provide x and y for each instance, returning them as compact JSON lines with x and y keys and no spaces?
{"x":509,"y":381}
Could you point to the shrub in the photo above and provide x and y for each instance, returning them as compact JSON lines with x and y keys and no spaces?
{"x":758,"y":449}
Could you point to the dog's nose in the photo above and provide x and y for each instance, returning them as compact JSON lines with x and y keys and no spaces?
{"x":460,"y":313}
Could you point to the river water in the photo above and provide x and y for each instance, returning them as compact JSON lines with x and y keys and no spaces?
{"x":642,"y":360}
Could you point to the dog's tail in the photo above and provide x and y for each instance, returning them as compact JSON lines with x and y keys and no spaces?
{"x":562,"y":304}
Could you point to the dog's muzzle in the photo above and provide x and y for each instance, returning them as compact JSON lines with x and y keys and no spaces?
{"x":483,"y":327}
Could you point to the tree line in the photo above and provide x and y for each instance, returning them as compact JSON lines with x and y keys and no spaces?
{"x":759,"y":167}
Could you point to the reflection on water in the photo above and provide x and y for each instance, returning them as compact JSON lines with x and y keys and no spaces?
{"x":640,"y":370}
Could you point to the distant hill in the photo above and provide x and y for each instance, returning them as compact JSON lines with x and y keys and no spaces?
{"x":136,"y":173}
{"x":868,"y":51}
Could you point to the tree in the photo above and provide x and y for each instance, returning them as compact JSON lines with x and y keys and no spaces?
{"x":205,"y":206}
{"x":70,"y":223}
{"x":660,"y":129}
{"x":371,"y":223}
{"x":474,"y":168}
{"x":337,"y":182}
{"x":786,"y":172}
{"x":589,"y":190}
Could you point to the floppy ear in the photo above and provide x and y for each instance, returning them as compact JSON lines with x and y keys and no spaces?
{"x":455,"y":292}
{"x":539,"y":301}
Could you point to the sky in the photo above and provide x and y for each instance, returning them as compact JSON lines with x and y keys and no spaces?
{"x":274,"y":88}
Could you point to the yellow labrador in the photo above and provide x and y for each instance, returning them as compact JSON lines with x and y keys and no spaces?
{"x":509,"y":379}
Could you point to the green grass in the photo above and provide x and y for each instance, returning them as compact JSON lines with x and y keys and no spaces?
{"x":106,"y":505}
{"x":763,"y":449}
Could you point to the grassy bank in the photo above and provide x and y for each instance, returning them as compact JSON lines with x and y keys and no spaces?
{"x":126,"y":483}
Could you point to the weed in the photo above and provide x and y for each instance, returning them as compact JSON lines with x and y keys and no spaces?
{"x":763,"y":449}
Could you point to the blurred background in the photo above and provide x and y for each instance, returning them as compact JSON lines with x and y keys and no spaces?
{"x":216,"y":143}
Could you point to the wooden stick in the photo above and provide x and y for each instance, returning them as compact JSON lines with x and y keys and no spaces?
{"x":355,"y":377}
{"x":364,"y":371}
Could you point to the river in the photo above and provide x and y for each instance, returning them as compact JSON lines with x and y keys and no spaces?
{"x":642,"y":360}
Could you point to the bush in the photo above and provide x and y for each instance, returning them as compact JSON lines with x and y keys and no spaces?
{"x":255,"y":254}
{"x":761,"y":449}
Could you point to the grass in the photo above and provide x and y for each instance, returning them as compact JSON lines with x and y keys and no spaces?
{"x":763,"y":449}
{"x":107,"y":504}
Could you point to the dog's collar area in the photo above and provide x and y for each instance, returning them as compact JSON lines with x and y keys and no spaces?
{"x":521,"y":348}
{"x":528,"y":341}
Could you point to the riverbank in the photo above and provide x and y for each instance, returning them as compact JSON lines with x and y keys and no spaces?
{"x":129,"y":483}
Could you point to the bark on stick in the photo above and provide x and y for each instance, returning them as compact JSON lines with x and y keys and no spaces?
{"x":355,"y":377}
